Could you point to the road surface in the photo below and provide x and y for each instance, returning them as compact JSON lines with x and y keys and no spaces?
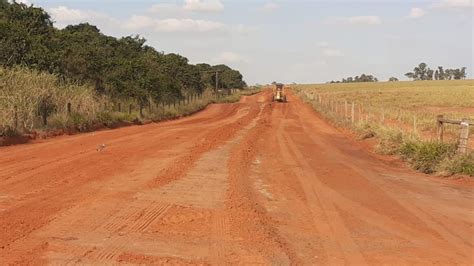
{"x":253,"y":182}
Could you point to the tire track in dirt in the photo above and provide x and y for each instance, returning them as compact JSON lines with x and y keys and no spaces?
{"x":242,"y":115}
{"x":265,"y":243}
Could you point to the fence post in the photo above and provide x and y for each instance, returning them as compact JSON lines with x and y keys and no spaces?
{"x":345,"y":109}
{"x":352,"y":113}
{"x":45,"y":117}
{"x":463,"y":136}
{"x":440,"y":127}
{"x":68,"y":107}
{"x":15,"y":121}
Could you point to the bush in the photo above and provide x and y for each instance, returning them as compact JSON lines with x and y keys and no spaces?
{"x":425,"y":156}
{"x":462,"y":164}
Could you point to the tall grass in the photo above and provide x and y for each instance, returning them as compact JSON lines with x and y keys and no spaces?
{"x":26,"y":94}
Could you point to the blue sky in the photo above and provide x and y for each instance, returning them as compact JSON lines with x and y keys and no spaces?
{"x":291,"y":41}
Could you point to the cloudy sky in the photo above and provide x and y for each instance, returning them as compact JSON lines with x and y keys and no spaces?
{"x":291,"y":41}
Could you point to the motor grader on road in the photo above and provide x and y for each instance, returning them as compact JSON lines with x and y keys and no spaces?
{"x":278,"y":94}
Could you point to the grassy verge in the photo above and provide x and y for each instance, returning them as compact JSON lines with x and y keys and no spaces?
{"x":26,"y":94}
{"x":426,"y":156}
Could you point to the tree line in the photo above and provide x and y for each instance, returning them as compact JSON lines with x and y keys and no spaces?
{"x":120,"y":67}
{"x":361,"y":78}
{"x":423,"y":72}
{"x":420,"y":72}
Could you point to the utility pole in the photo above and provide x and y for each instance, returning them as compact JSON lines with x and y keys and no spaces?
{"x":217,"y":78}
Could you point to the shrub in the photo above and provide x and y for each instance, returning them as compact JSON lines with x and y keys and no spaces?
{"x":462,"y":164}
{"x":425,"y":156}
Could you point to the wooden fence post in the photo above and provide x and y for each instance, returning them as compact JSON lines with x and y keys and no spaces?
{"x":463,"y":136}
{"x":68,"y":107}
{"x":15,"y":118}
{"x":352,"y":113}
{"x":440,"y":127}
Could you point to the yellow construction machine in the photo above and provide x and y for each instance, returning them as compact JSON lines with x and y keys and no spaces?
{"x":278,"y":93}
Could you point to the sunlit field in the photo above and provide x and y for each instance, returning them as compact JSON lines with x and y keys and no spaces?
{"x":410,"y":105}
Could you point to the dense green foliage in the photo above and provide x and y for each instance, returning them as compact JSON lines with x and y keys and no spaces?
{"x":120,"y":68}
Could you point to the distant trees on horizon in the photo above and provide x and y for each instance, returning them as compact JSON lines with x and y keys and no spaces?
{"x":361,"y":78}
{"x":420,"y":72}
{"x":423,"y":72}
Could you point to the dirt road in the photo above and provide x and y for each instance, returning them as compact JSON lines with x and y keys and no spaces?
{"x":253,"y":183}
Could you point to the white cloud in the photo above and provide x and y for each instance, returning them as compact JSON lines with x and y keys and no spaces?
{"x":358,"y":20}
{"x":270,"y":6}
{"x":230,"y":57}
{"x":164,"y":8}
{"x":454,"y":4}
{"x":331,"y":52}
{"x":139,"y":22}
{"x":203,"y":5}
{"x":66,"y":14}
{"x":63,"y":16}
{"x":369,"y":20}
{"x":416,"y":12}
{"x":174,"y":24}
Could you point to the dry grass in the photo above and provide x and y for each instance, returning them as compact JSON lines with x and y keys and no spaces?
{"x":26,"y":94}
{"x":402,"y":115}
{"x":409,"y":106}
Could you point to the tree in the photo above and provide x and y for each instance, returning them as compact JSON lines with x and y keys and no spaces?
{"x":463,"y":73}
{"x":392,"y":79}
{"x":411,"y":75}
{"x":441,"y":74}
{"x":436,"y":75}
{"x":429,"y":74}
{"x":121,"y":68}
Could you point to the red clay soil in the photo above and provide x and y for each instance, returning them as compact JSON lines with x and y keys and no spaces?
{"x":253,"y":182}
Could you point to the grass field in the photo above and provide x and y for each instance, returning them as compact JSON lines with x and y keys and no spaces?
{"x":398,"y":113}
